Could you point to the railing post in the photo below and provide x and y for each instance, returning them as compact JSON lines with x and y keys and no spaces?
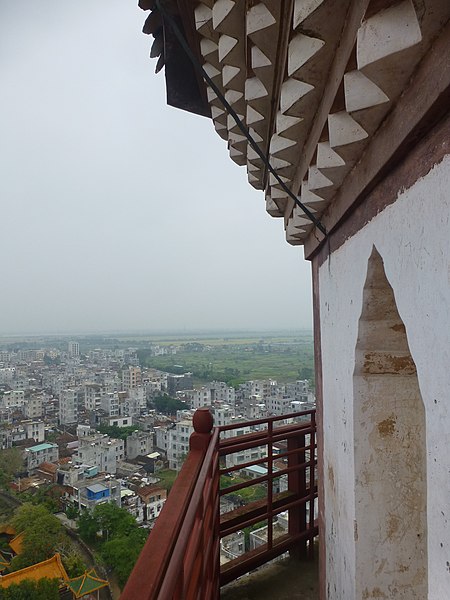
{"x":297,"y":485}
{"x":203,"y":423}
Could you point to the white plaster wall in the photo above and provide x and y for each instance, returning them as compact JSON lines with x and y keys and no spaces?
{"x":413,"y":238}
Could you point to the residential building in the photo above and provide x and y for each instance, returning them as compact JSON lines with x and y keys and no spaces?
{"x":33,"y":408}
{"x":178,"y":383}
{"x":34,"y":430}
{"x":131,"y":378}
{"x":46,"y":452}
{"x":92,"y":492}
{"x":178,"y":443}
{"x":139,"y":443}
{"x":109,"y":403}
{"x":153,"y":499}
{"x":100,"y":450}
{"x":198,"y":397}
{"x":68,"y":407}
{"x":74,"y":349}
{"x":132,"y":503}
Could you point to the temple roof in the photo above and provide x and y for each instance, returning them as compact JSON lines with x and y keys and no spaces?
{"x":86,"y":583}
{"x":51,"y":568}
{"x":16,"y":544}
{"x":317,"y":84}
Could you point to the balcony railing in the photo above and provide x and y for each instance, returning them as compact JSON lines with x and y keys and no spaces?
{"x":231,"y":484}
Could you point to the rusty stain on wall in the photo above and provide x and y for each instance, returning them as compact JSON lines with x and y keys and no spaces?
{"x":386,"y":363}
{"x":387,"y":427}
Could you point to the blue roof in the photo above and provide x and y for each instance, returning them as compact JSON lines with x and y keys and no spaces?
{"x":45,"y":446}
{"x":257,"y":469}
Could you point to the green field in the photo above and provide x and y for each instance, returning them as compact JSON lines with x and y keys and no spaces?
{"x":236,"y":360}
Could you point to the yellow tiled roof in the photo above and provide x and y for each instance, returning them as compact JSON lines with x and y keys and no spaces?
{"x":52,"y":568}
{"x":16,"y":544}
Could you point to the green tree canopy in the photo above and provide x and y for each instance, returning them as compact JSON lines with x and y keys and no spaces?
{"x":122,"y":552}
{"x":43,"y":533}
{"x":44,"y":589}
{"x":11,"y":462}
{"x":167,"y":405}
{"x":121,"y":539}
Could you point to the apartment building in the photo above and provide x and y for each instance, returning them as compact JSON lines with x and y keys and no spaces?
{"x":68,"y":407}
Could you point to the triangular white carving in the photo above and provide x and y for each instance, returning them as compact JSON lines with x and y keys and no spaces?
{"x":207,"y":46}
{"x":254,"y":89}
{"x":279,"y":143}
{"x":228,"y":73}
{"x":259,"y":59}
{"x":387,"y":32}
{"x":259,"y":17}
{"x":317,"y":180}
{"x":301,"y":49}
{"x":344,"y":130}
{"x":292,"y":91}
{"x":221,"y":10}
{"x":203,"y":14}
{"x":253,"y":116}
{"x":327,"y":157}
{"x":226,"y":45}
{"x":285,"y":122}
{"x":361,"y":92}
{"x":303,"y":8}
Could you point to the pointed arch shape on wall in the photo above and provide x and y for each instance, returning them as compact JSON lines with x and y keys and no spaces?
{"x":390,"y":451}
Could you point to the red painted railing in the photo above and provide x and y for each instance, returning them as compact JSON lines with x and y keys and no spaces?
{"x":181,"y":559}
{"x":290,"y":455}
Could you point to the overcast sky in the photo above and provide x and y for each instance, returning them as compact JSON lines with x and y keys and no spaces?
{"x":118,"y":212}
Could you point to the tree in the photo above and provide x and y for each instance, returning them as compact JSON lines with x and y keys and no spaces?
{"x":167,"y":405}
{"x":108,"y":519}
{"x":121,"y":553}
{"x":44,"y":589}
{"x":116,"y":432}
{"x":11,"y":462}
{"x":88,"y":526}
{"x":113,"y":521}
{"x":43,"y":533}
{"x":74,"y":564}
{"x":121,"y":539}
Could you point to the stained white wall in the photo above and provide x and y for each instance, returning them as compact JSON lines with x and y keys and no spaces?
{"x":413,"y":238}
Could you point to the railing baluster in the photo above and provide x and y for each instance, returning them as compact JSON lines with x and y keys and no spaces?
{"x":270,"y":486}
{"x":181,"y":559}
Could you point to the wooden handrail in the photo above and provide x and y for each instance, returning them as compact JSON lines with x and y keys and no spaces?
{"x":181,"y":558}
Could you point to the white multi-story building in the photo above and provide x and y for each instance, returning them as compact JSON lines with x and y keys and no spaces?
{"x":139,"y":443}
{"x":162,"y":438}
{"x":74,"y":349}
{"x":221,"y":392}
{"x":13,"y":398}
{"x":109,"y":403}
{"x":68,"y":407}
{"x":34,"y":406}
{"x":299,"y":390}
{"x":178,"y":443}
{"x":46,"y":452}
{"x":278,"y":405}
{"x":93,"y":393}
{"x":222,"y":414}
{"x":7,"y":375}
{"x":199,"y":397}
{"x":101,"y":451}
{"x":134,"y":402}
{"x":34,"y":430}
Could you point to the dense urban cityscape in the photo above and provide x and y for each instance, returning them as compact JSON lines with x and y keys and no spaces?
{"x":84,"y":428}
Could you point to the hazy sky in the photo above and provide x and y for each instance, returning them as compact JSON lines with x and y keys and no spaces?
{"x":118,"y":212}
